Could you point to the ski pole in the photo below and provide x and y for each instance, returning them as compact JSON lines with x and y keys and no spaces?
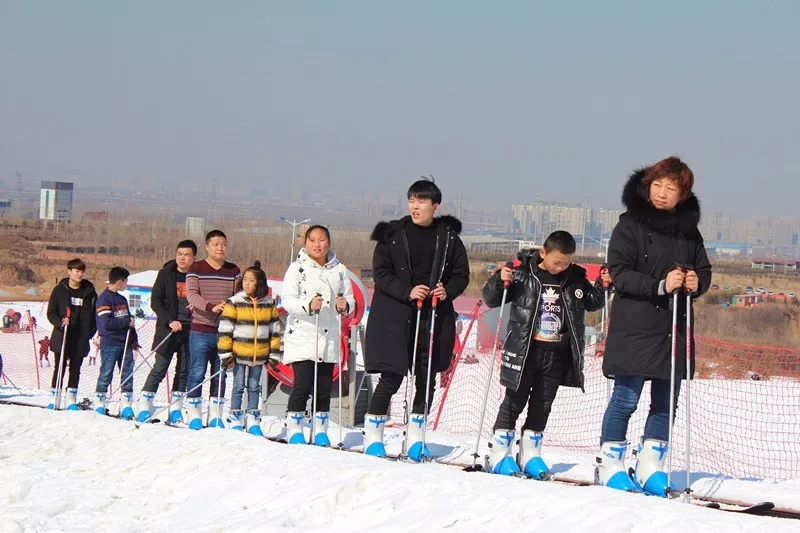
{"x":143,"y":361}
{"x":410,"y":379}
{"x":475,"y":455}
{"x":673,"y":355}
{"x":316,"y":366}
{"x":428,"y":377}
{"x":60,"y":370}
{"x":179,"y":398}
{"x":5,"y":376}
{"x":688,"y":268}
{"x":606,"y":320}
{"x":339,"y":363}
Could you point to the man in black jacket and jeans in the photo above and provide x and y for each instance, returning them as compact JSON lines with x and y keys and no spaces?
{"x":174,"y":316}
{"x":71,"y":312}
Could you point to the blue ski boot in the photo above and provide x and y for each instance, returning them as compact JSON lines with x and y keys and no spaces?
{"x":501,"y":460}
{"x":610,"y":469}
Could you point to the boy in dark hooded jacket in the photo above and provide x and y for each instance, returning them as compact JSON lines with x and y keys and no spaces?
{"x":544,"y":346}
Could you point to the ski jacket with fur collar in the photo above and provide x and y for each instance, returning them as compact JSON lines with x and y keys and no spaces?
{"x":645,"y":246}
{"x":392,"y":318}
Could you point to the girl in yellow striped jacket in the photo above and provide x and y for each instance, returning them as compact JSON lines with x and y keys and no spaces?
{"x":249,"y":333}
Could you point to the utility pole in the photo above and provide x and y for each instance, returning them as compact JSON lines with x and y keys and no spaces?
{"x":583,"y":233}
{"x":18,"y":207}
{"x":293,"y":223}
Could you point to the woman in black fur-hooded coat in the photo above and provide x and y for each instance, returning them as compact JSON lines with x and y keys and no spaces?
{"x":657,"y":232}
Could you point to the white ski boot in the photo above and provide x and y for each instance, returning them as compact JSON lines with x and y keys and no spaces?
{"x":321,"y":429}
{"x":253,"y":422}
{"x":125,"y":408}
{"x":235,"y":420}
{"x":71,"y":400}
{"x":145,"y":406}
{"x":414,"y":430}
{"x":176,"y":410}
{"x":51,"y":404}
{"x":373,"y":435}
{"x":100,"y":399}
{"x":610,"y":469}
{"x":215,"y":413}
{"x":530,"y":455}
{"x":194,"y":413}
{"x":294,"y":428}
{"x":649,"y":473}
{"x":501,"y":461}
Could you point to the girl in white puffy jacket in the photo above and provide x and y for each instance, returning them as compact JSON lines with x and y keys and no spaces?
{"x":316,"y":287}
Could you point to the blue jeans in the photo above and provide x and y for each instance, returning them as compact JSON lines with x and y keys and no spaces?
{"x":253,"y":386}
{"x":202,"y":352}
{"x":111,"y":356}
{"x":625,"y":398}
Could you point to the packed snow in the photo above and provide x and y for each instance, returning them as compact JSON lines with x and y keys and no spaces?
{"x":79,"y":471}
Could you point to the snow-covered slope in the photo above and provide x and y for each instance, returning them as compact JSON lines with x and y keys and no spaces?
{"x":65,"y":471}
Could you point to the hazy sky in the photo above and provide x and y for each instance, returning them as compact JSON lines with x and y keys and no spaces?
{"x":502,"y":100}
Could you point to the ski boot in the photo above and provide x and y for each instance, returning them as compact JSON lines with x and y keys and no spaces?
{"x":100,"y":399}
{"x":530,"y":455}
{"x":215,"y":413}
{"x":500,"y":459}
{"x":235,"y":419}
{"x":417,"y":451}
{"x":194,"y":413}
{"x":253,"y":422}
{"x":51,"y":404}
{"x":145,"y":406}
{"x":321,"y":430}
{"x":125,"y":409}
{"x":176,"y":410}
{"x":373,"y":435}
{"x":294,"y":428}
{"x":610,"y":468}
{"x":71,"y":400}
{"x":649,"y":474}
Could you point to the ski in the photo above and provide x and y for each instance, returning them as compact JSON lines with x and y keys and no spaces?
{"x":757,"y":509}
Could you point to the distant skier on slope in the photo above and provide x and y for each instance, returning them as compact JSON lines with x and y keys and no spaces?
{"x":658,"y":231}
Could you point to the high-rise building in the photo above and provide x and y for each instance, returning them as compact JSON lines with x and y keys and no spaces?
{"x":56,"y":201}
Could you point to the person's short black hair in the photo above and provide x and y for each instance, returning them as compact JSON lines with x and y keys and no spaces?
{"x":76,"y":264}
{"x":425,"y":189}
{"x":117,"y":274}
{"x":188,"y":243}
{"x":215,"y":233}
{"x":560,"y":241}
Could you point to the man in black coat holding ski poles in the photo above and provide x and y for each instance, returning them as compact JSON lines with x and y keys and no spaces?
{"x":71,"y":311}
{"x":655,"y":251}
{"x":416,"y":258}
{"x":174,"y":319}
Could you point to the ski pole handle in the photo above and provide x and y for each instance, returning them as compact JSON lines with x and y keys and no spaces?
{"x":434,"y":301}
{"x":510,"y":265}
{"x":419,"y":303}
{"x":604,"y":269}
